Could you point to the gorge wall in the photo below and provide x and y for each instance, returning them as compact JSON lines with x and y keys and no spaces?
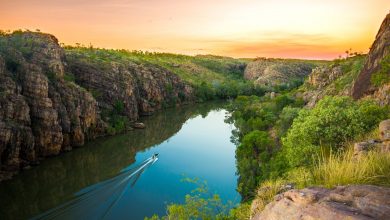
{"x":43,"y":113}
{"x":374,"y":78}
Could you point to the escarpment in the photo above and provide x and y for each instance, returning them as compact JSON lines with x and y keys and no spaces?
{"x":142,"y":89}
{"x":49,"y":103}
{"x":375,"y":75}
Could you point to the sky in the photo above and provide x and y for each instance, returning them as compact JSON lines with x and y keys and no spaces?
{"x":308,"y":29}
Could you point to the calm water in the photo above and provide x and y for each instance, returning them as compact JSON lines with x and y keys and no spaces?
{"x":192,"y":141}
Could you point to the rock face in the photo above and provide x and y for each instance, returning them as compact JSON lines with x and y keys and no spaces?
{"x":347,"y":202}
{"x":43,"y":114}
{"x":335,"y":79}
{"x":318,"y":80}
{"x":142,"y":89}
{"x":379,"y":49}
{"x":322,"y":76}
{"x":382,"y":144}
{"x":273,"y":71}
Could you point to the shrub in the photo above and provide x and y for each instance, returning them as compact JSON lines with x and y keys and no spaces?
{"x":69,"y":77}
{"x":330,"y":124}
{"x":285,"y":120}
{"x":241,"y":212}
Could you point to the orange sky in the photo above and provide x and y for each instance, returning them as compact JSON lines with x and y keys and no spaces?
{"x":239,"y":28}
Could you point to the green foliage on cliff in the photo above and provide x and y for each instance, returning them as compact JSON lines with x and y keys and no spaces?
{"x":382,"y":76}
{"x":351,"y":68}
{"x":118,"y":122}
{"x":212,"y":77}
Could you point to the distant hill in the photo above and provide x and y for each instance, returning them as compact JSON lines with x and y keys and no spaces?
{"x":270,"y":71}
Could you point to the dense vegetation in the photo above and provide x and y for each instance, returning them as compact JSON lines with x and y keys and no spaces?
{"x":254,"y":117}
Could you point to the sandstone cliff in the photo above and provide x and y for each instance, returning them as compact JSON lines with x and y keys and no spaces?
{"x":43,"y":113}
{"x":378,"y":62}
{"x":335,"y":79}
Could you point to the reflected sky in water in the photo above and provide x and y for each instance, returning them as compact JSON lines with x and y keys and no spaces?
{"x":193,"y":141}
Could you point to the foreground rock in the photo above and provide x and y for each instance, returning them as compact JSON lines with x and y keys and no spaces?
{"x":362,"y":202}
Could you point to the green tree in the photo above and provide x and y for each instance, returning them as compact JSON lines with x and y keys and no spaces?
{"x":252,"y":156}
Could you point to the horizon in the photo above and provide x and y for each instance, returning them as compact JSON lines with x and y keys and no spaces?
{"x":316,"y":30}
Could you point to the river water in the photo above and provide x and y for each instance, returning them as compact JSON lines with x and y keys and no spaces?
{"x":118,"y":178}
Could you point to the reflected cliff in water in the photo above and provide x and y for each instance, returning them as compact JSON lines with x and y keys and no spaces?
{"x":55,"y":181}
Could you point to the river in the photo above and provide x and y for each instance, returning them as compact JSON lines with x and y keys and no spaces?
{"x":107,"y":177}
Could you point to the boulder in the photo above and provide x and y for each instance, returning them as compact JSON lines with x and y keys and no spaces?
{"x":139,"y":125}
{"x":384,"y":134}
{"x":384,"y":130}
{"x":361,"y":148}
{"x":361,"y":202}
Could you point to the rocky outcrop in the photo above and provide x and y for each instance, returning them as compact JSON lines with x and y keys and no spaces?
{"x":382,"y":144}
{"x":141,"y":89}
{"x":379,"y":49}
{"x":43,"y":113}
{"x":318,"y":80}
{"x":361,"y":202}
{"x":335,"y":79}
{"x":275,"y":71}
{"x":323,"y":76}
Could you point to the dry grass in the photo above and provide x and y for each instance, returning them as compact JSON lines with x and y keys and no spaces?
{"x":266,"y":193}
{"x":343,"y":169}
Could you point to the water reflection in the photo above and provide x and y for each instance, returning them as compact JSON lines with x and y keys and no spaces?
{"x":55,"y":181}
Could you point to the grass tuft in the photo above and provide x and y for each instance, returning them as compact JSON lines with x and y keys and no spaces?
{"x":343,"y":169}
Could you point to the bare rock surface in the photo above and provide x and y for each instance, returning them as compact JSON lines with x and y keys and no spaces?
{"x":361,"y":202}
{"x":379,"y":49}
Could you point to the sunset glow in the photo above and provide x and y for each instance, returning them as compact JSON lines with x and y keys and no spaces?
{"x":310,"y":29}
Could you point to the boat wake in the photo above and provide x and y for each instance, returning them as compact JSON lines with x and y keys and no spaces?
{"x":97,"y":201}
